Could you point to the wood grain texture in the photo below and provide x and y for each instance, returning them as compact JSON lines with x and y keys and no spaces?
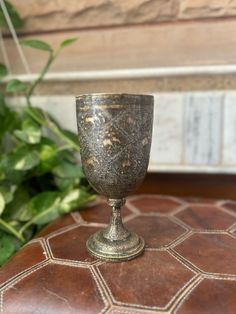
{"x":206,"y":8}
{"x":139,"y":86}
{"x":137,"y":47}
{"x":40,"y":16}
{"x":44,"y":15}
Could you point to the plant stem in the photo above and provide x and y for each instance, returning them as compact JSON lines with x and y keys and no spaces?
{"x":54,"y":128}
{"x":12,"y":230}
{"x":40,"y":78}
{"x":48,"y":123}
{"x":64,"y":147}
{"x":35,"y":117}
{"x":35,"y":218}
{"x":52,"y":57}
{"x":61,"y":135}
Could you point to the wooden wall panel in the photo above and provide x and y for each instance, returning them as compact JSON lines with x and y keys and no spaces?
{"x":43,"y":15}
{"x":138,"y":47}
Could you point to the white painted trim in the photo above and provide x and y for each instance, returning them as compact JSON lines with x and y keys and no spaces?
{"x":220,"y":169}
{"x":131,"y":73}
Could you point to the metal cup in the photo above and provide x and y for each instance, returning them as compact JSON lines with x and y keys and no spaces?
{"x":115,"y":132}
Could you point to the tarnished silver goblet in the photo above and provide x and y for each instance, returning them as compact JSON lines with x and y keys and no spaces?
{"x":115,"y":132}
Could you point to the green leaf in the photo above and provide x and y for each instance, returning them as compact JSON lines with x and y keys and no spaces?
{"x":37,"y":44}
{"x":30,"y":133}
{"x":3,"y":70}
{"x":69,"y":199}
{"x":2,"y":203}
{"x":74,"y":199}
{"x":16,"y":86}
{"x":21,"y":159}
{"x":71,"y":136}
{"x":31,"y":138}
{"x":66,"y":183}
{"x":48,"y":156}
{"x":7,"y":173}
{"x":17,"y":209}
{"x":2,"y":105}
{"x":44,"y":201}
{"x":2,"y":99}
{"x":7,"y":247}
{"x":2,"y":175}
{"x":14,"y":176}
{"x":44,"y":207}
{"x":6,"y":226}
{"x":68,"y":42}
{"x":36,"y":114}
{"x":68,"y":170}
{"x":85,"y":198}
{"x":69,"y":155}
{"x":25,"y":162}
{"x":9,"y":121}
{"x":7,"y":191}
{"x":15,"y":17}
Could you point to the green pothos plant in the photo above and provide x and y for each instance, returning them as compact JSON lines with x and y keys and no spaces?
{"x":40,"y":177}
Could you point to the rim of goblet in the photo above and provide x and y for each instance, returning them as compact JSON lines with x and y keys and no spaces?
{"x":114,"y":94}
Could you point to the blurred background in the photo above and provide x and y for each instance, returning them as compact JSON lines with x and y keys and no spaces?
{"x":181,"y":51}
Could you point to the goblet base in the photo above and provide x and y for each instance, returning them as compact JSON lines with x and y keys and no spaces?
{"x":115,"y":250}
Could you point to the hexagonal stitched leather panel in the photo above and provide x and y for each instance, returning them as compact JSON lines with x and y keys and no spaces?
{"x":188,"y":265}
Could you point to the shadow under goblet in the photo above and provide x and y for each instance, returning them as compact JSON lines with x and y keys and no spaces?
{"x":115,"y":132}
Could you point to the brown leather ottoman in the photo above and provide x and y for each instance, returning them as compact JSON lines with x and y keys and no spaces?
{"x":189,"y":265}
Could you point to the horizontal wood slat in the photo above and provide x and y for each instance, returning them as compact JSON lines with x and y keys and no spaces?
{"x":41,"y":15}
{"x":163,"y":45}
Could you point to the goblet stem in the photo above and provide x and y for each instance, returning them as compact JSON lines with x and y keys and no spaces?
{"x":115,"y":243}
{"x":116,"y":231}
